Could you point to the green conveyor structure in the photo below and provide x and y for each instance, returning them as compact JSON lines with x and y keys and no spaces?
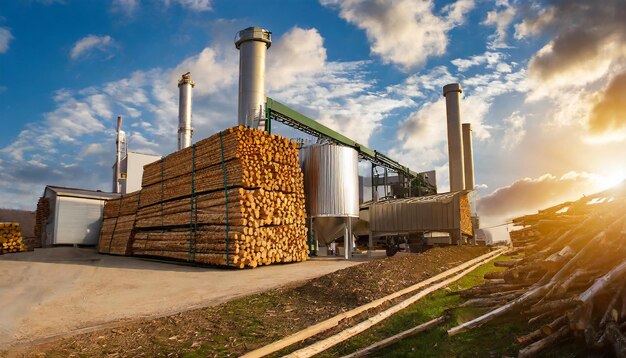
{"x":281,"y":113}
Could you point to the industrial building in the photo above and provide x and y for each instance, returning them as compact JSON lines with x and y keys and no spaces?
{"x":75,"y":216}
{"x":403,"y":203}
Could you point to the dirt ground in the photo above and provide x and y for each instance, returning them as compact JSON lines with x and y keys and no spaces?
{"x":241,"y":325}
{"x":51,"y":292}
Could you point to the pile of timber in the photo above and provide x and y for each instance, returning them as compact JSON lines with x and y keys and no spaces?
{"x":569,"y":277}
{"x":11,"y":238}
{"x":234,"y":199}
{"x":118,"y":224}
{"x":41,"y":218}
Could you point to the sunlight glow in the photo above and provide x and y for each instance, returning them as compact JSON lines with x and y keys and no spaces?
{"x":610,"y":180}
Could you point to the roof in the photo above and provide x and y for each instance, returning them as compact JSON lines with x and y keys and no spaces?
{"x":436,"y":198}
{"x":81,"y":193}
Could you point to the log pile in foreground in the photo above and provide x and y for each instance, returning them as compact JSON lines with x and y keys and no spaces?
{"x":11,"y":238}
{"x":117,"y":227}
{"x":41,"y":218}
{"x":569,"y":278}
{"x":233,"y":199}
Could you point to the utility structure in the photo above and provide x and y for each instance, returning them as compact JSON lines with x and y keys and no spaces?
{"x":468,"y":157}
{"x":185,"y":131}
{"x":117,"y":173}
{"x":252,"y":43}
{"x":452,"y":92}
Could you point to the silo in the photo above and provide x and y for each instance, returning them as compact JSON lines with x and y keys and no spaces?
{"x":331,"y":184}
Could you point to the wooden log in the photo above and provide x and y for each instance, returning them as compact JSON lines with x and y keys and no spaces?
{"x":534,"y":349}
{"x":395,"y":338}
{"x":334,"y":321}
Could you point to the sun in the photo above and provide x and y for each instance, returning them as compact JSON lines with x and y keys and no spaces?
{"x":610,"y":180}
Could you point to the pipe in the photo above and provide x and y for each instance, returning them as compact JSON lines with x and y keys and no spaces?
{"x":468,"y":156}
{"x":252,"y":43}
{"x":118,"y":157}
{"x":185,"y":84}
{"x":452,"y":93}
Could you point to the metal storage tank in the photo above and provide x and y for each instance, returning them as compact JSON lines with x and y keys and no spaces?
{"x":331,"y":185}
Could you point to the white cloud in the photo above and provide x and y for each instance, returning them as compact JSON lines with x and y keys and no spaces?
{"x":5,"y":39}
{"x":194,"y":5}
{"x":501,"y":18}
{"x":300,"y":52}
{"x":403,"y":32}
{"x":88,"y":44}
{"x":491,"y":59}
{"x":514,"y":130}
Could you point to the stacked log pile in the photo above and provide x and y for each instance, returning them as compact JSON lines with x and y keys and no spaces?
{"x":234,"y":199}
{"x":568,"y":279}
{"x":41,"y":218}
{"x":10,"y":238}
{"x":117,"y":227}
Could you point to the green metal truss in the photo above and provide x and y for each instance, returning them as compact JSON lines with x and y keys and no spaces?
{"x":280,"y":112}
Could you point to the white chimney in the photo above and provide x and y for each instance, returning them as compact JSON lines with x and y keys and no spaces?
{"x":252,"y":43}
{"x":118,"y":157}
{"x":185,"y":131}
{"x":452,"y":92}
{"x":468,"y":156}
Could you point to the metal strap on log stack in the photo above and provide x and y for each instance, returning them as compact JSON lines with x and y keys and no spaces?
{"x":234,"y":199}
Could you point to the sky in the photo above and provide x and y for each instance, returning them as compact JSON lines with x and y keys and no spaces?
{"x":544,"y":86}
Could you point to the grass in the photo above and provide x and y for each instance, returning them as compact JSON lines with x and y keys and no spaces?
{"x":497,"y":338}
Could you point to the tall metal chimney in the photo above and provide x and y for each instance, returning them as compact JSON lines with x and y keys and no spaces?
{"x":468,"y":156}
{"x":252,"y":43}
{"x":118,"y":157}
{"x":452,"y":92}
{"x":185,"y":84}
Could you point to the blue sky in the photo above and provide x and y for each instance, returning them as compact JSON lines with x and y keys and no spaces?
{"x":540,"y":91}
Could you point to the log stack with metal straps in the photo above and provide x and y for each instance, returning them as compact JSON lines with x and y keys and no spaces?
{"x":568,"y":277}
{"x":117,"y":227}
{"x":233,"y":199}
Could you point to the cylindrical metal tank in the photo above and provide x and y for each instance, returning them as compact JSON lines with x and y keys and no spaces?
{"x":331,"y":185}
{"x":331,"y":180}
{"x":252,"y":43}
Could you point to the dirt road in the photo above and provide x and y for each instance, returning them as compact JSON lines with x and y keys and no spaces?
{"x":53,"y":292}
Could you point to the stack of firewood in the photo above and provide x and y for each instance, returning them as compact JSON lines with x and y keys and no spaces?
{"x":569,"y":277}
{"x":10,"y":238}
{"x":234,"y":199}
{"x":41,"y":217}
{"x":117,"y":227}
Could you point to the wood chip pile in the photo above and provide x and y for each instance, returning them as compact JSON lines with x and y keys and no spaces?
{"x":570,"y":276}
{"x":10,"y":238}
{"x":234,"y":199}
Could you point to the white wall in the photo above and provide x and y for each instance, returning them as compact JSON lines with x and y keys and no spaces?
{"x":134,"y":170}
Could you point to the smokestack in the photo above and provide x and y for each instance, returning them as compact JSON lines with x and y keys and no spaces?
{"x":452,"y":92}
{"x":184,"y":111}
{"x":468,"y":156}
{"x":118,"y":156}
{"x":252,"y":43}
